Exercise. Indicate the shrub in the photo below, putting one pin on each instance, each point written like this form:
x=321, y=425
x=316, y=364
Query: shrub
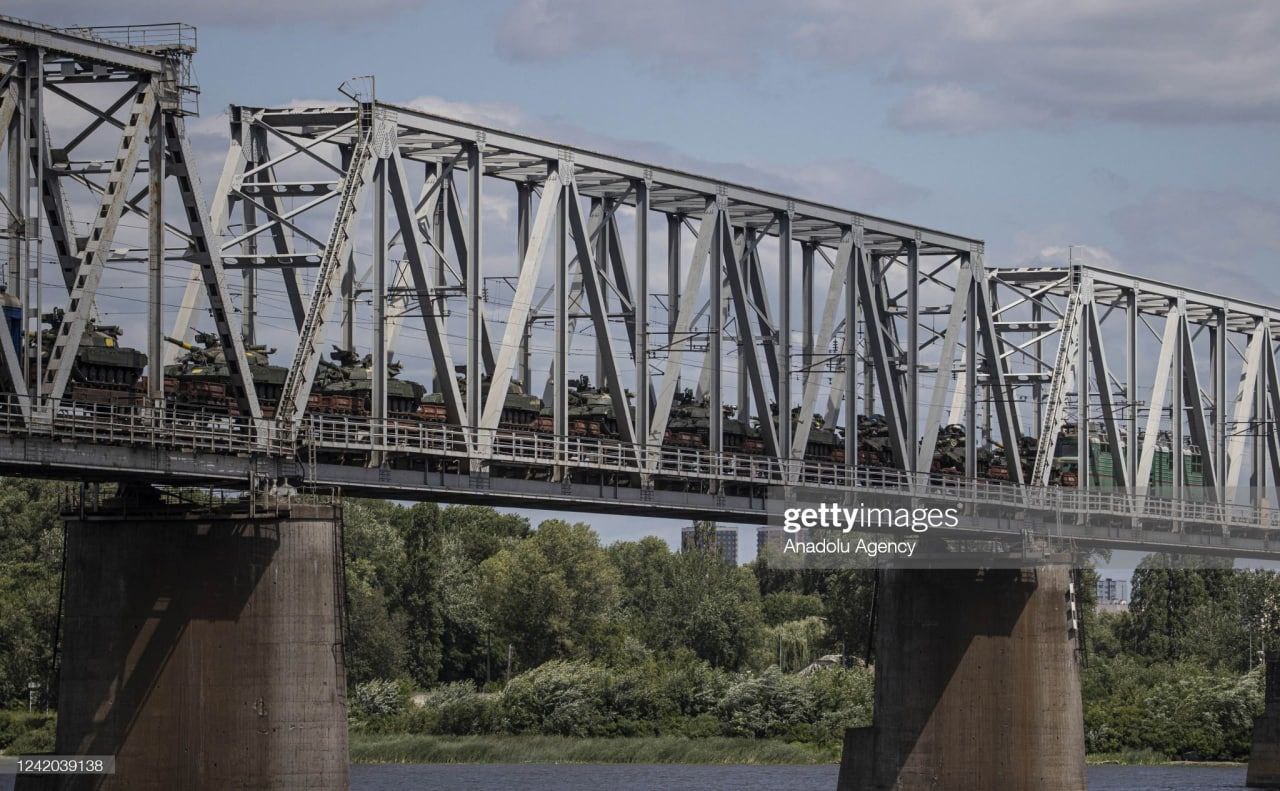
x=765, y=705
x=557, y=698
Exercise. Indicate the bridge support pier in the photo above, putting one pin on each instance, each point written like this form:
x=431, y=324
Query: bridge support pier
x=977, y=684
x=1264, y=756
x=202, y=648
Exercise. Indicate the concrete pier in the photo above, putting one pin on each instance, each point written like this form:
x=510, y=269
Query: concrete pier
x=977, y=684
x=202, y=647
x=1264, y=756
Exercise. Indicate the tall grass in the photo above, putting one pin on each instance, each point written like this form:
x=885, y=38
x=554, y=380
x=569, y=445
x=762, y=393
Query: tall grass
x=423, y=749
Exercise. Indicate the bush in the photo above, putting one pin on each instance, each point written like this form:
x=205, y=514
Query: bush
x=557, y=698
x=379, y=700
x=765, y=705
x=34, y=741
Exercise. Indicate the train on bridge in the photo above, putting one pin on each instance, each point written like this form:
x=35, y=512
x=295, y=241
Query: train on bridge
x=200, y=383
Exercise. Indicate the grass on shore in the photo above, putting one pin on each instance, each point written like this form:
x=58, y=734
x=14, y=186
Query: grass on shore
x=409, y=748
x=424, y=749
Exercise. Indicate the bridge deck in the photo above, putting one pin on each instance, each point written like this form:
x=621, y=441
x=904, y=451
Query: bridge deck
x=520, y=468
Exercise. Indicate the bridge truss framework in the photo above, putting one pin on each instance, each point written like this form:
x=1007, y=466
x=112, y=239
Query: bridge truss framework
x=770, y=304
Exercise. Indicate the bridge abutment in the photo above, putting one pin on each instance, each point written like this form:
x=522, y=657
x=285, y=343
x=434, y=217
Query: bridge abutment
x=202, y=648
x=1264, y=755
x=977, y=684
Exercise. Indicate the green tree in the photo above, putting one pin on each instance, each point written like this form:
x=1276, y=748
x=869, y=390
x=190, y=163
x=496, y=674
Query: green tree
x=713, y=609
x=553, y=594
x=373, y=555
x=469, y=536
x=30, y=572
x=421, y=597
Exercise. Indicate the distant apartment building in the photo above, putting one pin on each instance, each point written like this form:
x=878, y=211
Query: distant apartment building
x=723, y=542
x=765, y=536
x=1113, y=595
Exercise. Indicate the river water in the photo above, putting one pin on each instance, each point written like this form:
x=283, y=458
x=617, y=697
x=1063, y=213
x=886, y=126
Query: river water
x=679, y=777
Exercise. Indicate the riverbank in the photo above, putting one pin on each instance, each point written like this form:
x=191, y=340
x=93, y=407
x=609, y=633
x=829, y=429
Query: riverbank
x=409, y=748
x=424, y=749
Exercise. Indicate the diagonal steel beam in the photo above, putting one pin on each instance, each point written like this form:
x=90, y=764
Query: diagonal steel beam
x=458, y=230
x=840, y=278
x=1155, y=409
x=204, y=252
x=946, y=359
x=748, y=346
x=878, y=342
x=432, y=320
x=521, y=302
x=233, y=166
x=1193, y=398
x=1110, y=418
x=680, y=335
x=93, y=258
x=297, y=383
x=1244, y=405
x=594, y=290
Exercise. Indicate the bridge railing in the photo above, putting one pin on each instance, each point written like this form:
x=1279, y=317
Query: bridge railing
x=350, y=439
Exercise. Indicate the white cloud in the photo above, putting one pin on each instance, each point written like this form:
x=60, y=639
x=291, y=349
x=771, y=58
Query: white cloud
x=223, y=13
x=1226, y=242
x=967, y=64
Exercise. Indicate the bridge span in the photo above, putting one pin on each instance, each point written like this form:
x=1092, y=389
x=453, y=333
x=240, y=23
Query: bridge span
x=735, y=347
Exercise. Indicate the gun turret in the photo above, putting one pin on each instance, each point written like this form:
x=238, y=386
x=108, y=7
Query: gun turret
x=207, y=339
x=180, y=344
x=344, y=356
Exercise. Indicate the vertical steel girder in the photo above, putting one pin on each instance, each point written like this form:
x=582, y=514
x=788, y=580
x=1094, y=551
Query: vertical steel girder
x=782, y=339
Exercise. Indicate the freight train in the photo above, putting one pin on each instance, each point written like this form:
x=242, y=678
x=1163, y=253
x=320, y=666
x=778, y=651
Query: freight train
x=106, y=373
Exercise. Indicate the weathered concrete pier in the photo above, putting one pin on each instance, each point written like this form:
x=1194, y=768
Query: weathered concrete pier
x=977, y=684
x=203, y=648
x=1264, y=756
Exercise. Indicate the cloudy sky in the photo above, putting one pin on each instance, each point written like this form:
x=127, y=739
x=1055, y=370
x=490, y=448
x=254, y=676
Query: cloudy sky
x=1143, y=132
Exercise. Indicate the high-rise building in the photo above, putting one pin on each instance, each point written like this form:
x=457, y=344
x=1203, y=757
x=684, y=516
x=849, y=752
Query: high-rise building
x=723, y=541
x=764, y=535
x=1113, y=595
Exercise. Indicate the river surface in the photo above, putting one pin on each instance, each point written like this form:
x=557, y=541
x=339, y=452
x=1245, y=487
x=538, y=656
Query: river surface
x=679, y=777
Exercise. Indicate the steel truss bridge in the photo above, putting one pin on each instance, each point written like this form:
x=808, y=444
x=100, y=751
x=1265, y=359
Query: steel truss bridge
x=448, y=244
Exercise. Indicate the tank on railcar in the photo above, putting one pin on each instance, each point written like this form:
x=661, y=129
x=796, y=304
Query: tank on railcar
x=104, y=371
x=201, y=378
x=345, y=387
x=590, y=411
x=520, y=410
